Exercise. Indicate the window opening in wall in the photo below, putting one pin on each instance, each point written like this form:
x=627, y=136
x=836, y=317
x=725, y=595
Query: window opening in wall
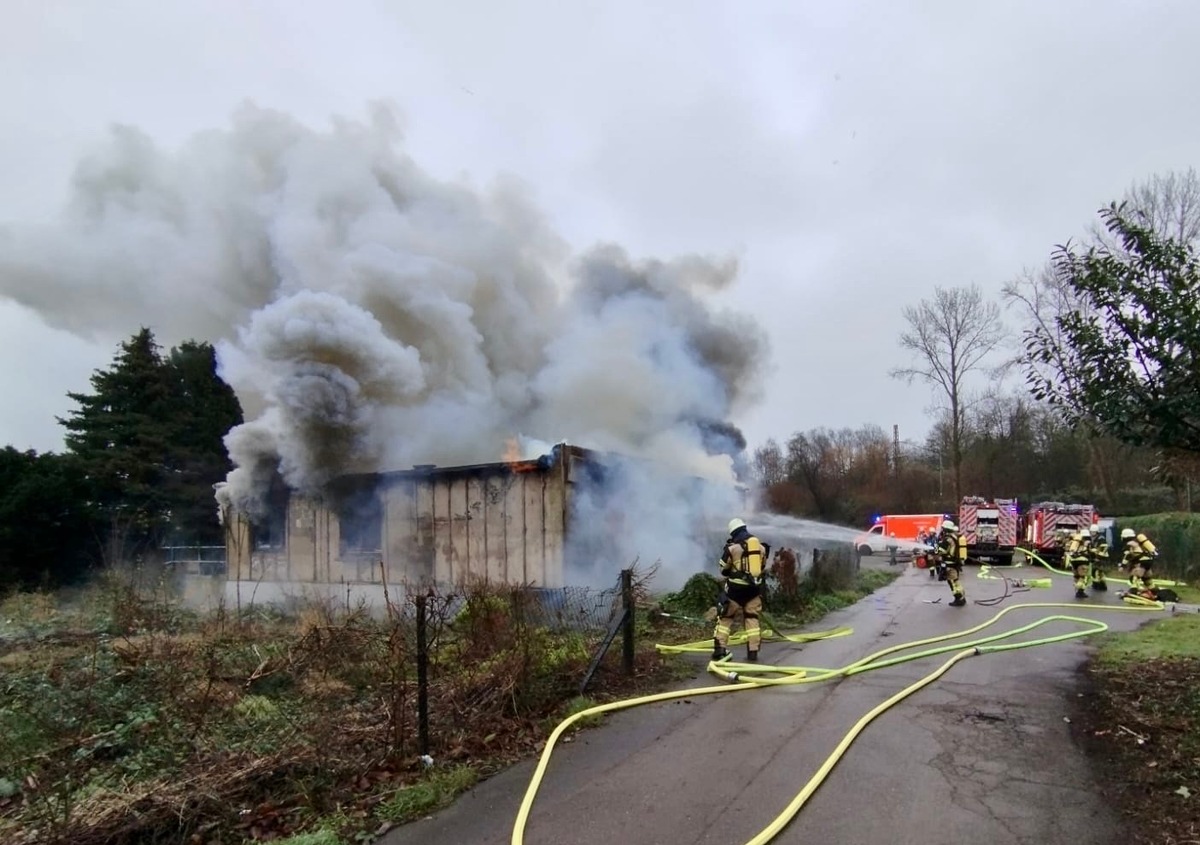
x=359, y=510
x=269, y=533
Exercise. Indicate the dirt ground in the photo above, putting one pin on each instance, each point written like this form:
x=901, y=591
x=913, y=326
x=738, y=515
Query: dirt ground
x=1140, y=726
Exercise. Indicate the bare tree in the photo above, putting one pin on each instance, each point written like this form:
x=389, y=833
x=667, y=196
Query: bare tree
x=1167, y=203
x=951, y=336
x=812, y=466
x=1043, y=297
x=769, y=465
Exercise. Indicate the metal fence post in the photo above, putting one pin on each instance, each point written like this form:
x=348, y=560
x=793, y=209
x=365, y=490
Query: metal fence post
x=422, y=679
x=627, y=601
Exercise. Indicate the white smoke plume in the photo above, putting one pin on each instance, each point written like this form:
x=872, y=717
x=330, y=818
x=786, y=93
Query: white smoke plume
x=638, y=512
x=372, y=317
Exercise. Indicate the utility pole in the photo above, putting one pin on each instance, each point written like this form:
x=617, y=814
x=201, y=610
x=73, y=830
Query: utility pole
x=896, y=449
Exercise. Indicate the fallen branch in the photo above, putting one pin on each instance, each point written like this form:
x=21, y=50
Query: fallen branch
x=1134, y=734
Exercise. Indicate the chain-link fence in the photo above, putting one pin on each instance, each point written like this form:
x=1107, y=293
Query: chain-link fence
x=502, y=652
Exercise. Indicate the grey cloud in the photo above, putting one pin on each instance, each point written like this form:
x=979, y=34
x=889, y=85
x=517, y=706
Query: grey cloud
x=850, y=155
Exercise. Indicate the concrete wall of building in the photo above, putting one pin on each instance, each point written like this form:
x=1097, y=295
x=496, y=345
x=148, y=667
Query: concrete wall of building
x=489, y=523
x=499, y=522
x=503, y=522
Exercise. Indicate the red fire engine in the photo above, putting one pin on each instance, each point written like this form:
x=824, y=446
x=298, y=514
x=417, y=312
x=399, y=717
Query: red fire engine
x=1048, y=523
x=990, y=528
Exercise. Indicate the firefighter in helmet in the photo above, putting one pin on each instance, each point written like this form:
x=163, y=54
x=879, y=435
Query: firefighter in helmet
x=937, y=567
x=1098, y=554
x=1079, y=560
x=932, y=558
x=952, y=554
x=743, y=564
x=1139, y=558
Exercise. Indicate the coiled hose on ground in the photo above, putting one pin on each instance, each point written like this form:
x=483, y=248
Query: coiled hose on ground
x=741, y=677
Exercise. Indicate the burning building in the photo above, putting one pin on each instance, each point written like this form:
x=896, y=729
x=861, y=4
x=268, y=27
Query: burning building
x=370, y=316
x=567, y=517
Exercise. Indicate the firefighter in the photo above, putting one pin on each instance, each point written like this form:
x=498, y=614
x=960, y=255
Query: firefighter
x=1062, y=538
x=936, y=557
x=1077, y=557
x=742, y=564
x=952, y=554
x=937, y=568
x=932, y=559
x=1139, y=558
x=1098, y=553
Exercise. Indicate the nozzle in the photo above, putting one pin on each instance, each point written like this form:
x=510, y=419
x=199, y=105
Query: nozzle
x=716, y=669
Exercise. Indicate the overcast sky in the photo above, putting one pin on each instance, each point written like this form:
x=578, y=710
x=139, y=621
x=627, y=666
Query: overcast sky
x=853, y=154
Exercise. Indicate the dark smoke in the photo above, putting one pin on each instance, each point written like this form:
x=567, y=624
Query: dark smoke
x=372, y=317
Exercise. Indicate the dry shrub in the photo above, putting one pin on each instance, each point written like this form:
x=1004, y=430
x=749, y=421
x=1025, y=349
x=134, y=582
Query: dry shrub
x=784, y=579
x=162, y=734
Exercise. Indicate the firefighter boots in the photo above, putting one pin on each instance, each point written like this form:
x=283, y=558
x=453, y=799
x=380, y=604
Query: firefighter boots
x=719, y=651
x=959, y=601
x=1081, y=593
x=751, y=656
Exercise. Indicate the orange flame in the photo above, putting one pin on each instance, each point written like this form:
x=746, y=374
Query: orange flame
x=512, y=457
x=512, y=451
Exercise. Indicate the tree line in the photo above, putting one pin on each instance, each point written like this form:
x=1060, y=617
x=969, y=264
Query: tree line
x=1106, y=342
x=143, y=450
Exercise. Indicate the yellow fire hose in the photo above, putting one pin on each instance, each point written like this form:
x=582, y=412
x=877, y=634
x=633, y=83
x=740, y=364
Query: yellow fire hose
x=770, y=634
x=746, y=676
x=1156, y=582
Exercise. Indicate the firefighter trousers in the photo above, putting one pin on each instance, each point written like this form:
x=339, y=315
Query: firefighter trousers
x=954, y=579
x=749, y=611
x=1140, y=576
x=1080, y=568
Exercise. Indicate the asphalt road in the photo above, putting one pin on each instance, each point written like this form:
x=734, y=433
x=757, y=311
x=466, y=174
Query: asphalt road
x=717, y=769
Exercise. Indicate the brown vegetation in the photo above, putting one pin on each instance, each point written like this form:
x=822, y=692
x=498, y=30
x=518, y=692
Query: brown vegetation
x=129, y=720
x=1011, y=447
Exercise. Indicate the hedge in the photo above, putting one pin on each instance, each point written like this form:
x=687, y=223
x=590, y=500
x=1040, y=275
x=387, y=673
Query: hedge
x=1177, y=536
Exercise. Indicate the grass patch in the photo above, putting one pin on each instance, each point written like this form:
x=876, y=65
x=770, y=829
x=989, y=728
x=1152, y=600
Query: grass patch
x=1139, y=720
x=426, y=796
x=577, y=705
x=317, y=837
x=1175, y=637
x=1187, y=594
